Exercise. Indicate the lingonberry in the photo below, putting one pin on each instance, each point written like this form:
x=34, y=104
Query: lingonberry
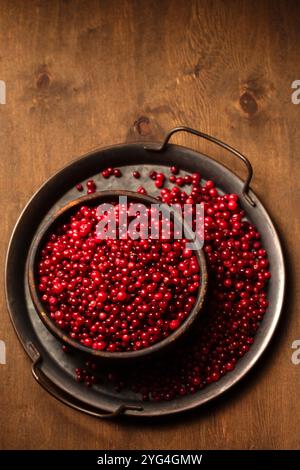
x=141, y=190
x=117, y=172
x=155, y=293
x=174, y=170
x=152, y=174
x=91, y=186
x=179, y=181
x=111, y=294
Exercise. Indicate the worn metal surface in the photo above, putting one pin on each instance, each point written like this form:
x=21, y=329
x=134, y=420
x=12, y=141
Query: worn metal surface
x=54, y=369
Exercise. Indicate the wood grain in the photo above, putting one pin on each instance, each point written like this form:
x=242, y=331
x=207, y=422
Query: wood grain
x=82, y=74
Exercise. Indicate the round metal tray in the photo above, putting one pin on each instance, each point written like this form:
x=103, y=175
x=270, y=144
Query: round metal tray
x=54, y=369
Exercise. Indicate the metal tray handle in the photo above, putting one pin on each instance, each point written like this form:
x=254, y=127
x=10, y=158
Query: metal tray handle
x=246, y=188
x=64, y=397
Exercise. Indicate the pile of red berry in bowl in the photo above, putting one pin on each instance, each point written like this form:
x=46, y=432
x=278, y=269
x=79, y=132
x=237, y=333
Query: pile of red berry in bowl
x=114, y=297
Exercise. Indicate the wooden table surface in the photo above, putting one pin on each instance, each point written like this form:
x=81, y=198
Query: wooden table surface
x=82, y=74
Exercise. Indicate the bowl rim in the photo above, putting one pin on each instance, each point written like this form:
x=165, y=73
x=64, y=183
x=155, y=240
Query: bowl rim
x=59, y=333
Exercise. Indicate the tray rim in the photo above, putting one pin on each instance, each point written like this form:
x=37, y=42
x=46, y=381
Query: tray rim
x=275, y=320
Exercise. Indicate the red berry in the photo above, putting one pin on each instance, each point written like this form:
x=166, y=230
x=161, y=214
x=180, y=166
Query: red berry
x=121, y=295
x=102, y=296
x=152, y=174
x=174, y=170
x=159, y=183
x=180, y=181
x=209, y=184
x=124, y=295
x=174, y=324
x=232, y=205
x=141, y=190
x=117, y=173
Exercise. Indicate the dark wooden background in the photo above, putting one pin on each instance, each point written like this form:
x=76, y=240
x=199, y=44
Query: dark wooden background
x=82, y=74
